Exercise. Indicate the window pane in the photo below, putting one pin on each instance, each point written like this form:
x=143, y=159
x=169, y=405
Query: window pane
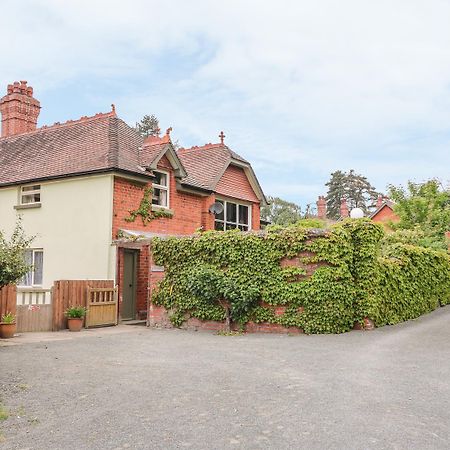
x=160, y=178
x=218, y=226
x=162, y=197
x=36, y=187
x=27, y=278
x=220, y=216
x=243, y=214
x=31, y=198
x=243, y=227
x=38, y=266
x=231, y=212
x=231, y=226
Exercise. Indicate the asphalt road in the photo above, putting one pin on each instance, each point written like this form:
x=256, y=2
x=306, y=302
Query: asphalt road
x=132, y=387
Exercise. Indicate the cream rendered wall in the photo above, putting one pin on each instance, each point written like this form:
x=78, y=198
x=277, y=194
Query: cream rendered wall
x=73, y=227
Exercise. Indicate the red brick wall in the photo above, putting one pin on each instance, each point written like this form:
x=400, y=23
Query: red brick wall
x=385, y=214
x=188, y=208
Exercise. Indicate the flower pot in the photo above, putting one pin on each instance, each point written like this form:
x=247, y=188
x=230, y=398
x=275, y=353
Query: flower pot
x=7, y=330
x=74, y=323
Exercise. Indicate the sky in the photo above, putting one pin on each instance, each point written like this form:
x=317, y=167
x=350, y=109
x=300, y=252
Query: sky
x=300, y=88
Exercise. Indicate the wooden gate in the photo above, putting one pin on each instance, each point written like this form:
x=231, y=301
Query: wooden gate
x=34, y=309
x=101, y=307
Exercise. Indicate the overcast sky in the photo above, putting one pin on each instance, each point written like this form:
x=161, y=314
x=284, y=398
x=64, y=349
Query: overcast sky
x=300, y=88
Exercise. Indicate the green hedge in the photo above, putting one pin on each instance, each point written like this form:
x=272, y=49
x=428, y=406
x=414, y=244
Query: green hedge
x=215, y=275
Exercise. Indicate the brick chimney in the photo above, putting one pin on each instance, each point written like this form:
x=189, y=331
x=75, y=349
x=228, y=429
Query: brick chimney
x=321, y=207
x=344, y=208
x=19, y=109
x=380, y=200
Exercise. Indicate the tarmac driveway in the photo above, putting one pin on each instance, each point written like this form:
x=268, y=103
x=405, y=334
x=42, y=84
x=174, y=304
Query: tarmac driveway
x=133, y=387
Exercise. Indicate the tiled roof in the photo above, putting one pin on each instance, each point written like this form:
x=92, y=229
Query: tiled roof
x=205, y=165
x=105, y=142
x=91, y=144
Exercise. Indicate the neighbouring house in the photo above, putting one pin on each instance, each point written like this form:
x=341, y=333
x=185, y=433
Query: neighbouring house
x=93, y=192
x=384, y=211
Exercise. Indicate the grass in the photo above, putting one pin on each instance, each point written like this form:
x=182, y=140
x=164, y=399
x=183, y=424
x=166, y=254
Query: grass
x=4, y=413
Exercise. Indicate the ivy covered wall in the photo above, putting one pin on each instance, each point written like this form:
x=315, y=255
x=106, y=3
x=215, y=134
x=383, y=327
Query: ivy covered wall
x=324, y=280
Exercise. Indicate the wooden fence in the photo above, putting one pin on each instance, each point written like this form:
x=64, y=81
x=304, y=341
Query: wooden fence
x=8, y=300
x=72, y=293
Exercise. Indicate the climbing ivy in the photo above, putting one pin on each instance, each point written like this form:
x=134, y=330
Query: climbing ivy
x=325, y=279
x=145, y=209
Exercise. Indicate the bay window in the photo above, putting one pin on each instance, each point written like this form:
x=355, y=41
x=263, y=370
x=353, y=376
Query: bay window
x=234, y=215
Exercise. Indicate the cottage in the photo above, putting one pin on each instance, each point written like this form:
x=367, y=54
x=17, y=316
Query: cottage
x=91, y=190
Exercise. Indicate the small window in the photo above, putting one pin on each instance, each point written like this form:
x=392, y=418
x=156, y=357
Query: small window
x=161, y=189
x=233, y=216
x=34, y=258
x=30, y=194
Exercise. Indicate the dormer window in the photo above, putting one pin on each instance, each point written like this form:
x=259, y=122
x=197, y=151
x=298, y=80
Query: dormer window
x=161, y=189
x=30, y=195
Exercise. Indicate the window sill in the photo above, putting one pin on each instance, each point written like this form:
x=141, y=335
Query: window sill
x=28, y=206
x=157, y=208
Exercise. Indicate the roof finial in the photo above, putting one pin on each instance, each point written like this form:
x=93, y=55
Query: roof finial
x=113, y=107
x=222, y=137
x=157, y=131
x=168, y=131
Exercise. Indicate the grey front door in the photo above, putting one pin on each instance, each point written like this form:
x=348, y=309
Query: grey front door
x=128, y=310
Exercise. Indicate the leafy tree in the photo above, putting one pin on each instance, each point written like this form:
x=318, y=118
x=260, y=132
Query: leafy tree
x=148, y=126
x=281, y=212
x=12, y=262
x=425, y=207
x=355, y=188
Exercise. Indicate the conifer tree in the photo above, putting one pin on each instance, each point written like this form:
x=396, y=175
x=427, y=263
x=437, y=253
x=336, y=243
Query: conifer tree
x=355, y=188
x=148, y=126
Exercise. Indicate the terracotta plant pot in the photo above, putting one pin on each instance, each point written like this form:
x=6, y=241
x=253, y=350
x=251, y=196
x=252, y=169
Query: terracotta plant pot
x=7, y=330
x=74, y=323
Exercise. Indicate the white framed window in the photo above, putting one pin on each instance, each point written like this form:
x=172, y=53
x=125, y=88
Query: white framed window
x=234, y=215
x=34, y=257
x=30, y=194
x=161, y=189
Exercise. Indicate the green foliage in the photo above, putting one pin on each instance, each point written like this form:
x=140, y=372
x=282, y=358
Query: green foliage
x=9, y=317
x=12, y=256
x=424, y=207
x=355, y=188
x=311, y=223
x=281, y=212
x=75, y=312
x=145, y=209
x=411, y=281
x=359, y=274
x=148, y=126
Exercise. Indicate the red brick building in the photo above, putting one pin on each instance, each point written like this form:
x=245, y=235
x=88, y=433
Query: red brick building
x=384, y=212
x=142, y=188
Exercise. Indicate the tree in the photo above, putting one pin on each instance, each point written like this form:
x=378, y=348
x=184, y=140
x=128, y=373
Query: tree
x=148, y=126
x=425, y=207
x=12, y=261
x=281, y=212
x=354, y=188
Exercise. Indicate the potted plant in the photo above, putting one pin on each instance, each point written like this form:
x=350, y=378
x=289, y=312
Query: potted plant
x=75, y=316
x=8, y=325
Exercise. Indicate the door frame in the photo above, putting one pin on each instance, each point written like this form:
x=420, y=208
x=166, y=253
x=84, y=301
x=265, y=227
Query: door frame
x=134, y=253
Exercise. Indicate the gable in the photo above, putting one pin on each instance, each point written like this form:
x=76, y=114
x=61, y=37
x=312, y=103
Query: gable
x=384, y=214
x=235, y=183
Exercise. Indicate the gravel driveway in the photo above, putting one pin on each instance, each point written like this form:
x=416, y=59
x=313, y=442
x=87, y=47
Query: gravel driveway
x=133, y=387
